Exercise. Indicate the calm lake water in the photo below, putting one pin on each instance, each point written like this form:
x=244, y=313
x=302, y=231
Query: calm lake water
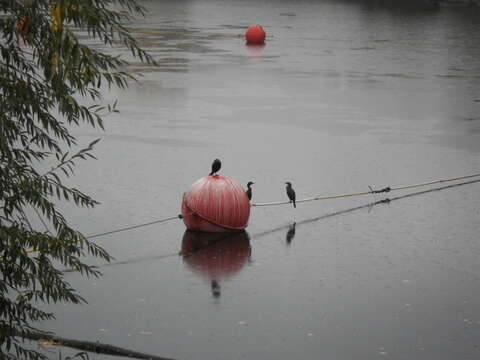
x=343, y=96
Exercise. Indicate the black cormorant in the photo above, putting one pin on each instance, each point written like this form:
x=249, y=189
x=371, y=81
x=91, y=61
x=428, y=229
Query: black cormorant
x=216, y=165
x=249, y=190
x=291, y=193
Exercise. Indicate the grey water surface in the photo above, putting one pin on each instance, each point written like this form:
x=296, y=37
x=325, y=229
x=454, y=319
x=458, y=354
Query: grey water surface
x=343, y=96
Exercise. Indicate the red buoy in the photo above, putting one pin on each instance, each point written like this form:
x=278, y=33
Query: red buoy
x=215, y=204
x=255, y=35
x=23, y=26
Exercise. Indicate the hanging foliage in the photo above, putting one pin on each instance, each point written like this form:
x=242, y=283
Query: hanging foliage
x=46, y=76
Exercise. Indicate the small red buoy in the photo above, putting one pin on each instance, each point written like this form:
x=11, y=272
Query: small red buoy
x=255, y=35
x=215, y=204
x=23, y=26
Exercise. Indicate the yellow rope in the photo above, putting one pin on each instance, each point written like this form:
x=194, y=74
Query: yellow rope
x=434, y=182
x=369, y=192
x=327, y=197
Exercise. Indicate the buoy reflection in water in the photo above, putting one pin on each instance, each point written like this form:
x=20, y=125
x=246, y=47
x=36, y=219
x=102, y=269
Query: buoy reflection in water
x=216, y=256
x=255, y=52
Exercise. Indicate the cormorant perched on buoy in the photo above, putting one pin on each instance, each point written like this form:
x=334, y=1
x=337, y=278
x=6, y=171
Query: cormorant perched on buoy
x=249, y=190
x=291, y=193
x=216, y=165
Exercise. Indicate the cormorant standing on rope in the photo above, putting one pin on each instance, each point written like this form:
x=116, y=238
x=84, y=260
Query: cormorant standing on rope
x=291, y=193
x=216, y=165
x=249, y=190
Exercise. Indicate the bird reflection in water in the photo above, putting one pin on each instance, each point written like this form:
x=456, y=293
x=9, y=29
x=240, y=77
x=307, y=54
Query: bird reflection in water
x=216, y=291
x=290, y=234
x=216, y=256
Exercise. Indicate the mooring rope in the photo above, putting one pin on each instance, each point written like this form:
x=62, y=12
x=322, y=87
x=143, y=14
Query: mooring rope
x=434, y=182
x=121, y=229
x=259, y=235
x=134, y=226
x=326, y=197
x=371, y=191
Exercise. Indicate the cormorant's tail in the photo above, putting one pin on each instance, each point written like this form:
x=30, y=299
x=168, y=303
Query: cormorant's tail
x=294, y=205
x=211, y=173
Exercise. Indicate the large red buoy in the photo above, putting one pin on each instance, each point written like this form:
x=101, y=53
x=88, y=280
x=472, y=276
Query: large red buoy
x=255, y=35
x=215, y=204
